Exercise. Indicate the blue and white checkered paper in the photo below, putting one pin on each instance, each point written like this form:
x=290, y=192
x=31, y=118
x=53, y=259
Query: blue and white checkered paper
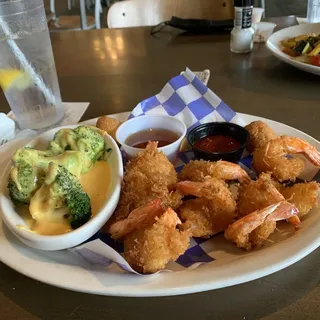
x=184, y=97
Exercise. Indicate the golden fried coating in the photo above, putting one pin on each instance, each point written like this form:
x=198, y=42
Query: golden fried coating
x=253, y=229
x=212, y=212
x=198, y=170
x=149, y=249
x=108, y=124
x=204, y=217
x=257, y=195
x=273, y=157
x=259, y=235
x=147, y=177
x=196, y=217
x=303, y=195
x=260, y=133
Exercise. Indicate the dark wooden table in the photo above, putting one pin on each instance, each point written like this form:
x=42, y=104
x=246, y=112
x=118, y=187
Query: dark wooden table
x=114, y=70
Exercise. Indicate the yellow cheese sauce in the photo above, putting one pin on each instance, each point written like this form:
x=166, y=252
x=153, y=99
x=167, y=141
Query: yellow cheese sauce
x=95, y=183
x=55, y=224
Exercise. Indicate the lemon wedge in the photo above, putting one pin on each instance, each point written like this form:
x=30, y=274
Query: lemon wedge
x=14, y=78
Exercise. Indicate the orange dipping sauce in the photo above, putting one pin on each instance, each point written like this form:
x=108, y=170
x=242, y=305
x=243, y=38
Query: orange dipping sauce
x=217, y=144
x=140, y=139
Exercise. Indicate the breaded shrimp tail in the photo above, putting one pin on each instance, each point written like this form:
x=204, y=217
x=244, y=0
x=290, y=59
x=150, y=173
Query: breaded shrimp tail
x=198, y=170
x=212, y=212
x=257, y=194
x=273, y=157
x=138, y=218
x=240, y=232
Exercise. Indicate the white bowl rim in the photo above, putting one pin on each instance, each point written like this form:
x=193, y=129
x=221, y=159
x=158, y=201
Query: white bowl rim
x=163, y=149
x=31, y=236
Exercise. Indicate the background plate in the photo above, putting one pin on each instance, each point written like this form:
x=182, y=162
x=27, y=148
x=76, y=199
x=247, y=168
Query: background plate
x=65, y=270
x=273, y=44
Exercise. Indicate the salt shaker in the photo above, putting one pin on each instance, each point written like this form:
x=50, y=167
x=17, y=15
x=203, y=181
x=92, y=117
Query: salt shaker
x=242, y=33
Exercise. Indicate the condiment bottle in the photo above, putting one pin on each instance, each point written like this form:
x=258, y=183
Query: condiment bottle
x=242, y=33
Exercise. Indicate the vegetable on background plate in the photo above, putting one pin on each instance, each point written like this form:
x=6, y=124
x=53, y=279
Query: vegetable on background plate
x=315, y=60
x=303, y=48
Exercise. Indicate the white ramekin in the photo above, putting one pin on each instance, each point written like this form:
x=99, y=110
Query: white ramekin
x=146, y=122
x=13, y=220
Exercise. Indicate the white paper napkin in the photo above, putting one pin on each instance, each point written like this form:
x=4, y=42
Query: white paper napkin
x=7, y=127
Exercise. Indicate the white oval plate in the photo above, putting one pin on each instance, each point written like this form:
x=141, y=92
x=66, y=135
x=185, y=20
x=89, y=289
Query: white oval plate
x=65, y=270
x=274, y=45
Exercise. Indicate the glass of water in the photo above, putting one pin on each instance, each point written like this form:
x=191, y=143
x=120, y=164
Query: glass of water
x=313, y=13
x=28, y=75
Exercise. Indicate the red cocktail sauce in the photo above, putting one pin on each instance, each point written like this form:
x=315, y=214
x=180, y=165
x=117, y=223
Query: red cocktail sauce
x=217, y=144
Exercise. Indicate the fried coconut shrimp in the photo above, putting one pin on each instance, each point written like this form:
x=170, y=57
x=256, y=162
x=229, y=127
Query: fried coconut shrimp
x=303, y=195
x=273, y=157
x=257, y=195
x=209, y=214
x=260, y=133
x=147, y=177
x=242, y=232
x=149, y=248
x=199, y=169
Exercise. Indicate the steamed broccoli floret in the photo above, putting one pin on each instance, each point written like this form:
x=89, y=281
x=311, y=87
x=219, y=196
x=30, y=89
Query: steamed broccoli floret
x=86, y=139
x=71, y=160
x=76, y=150
x=28, y=155
x=30, y=167
x=61, y=189
x=62, y=141
x=91, y=142
x=78, y=203
x=22, y=183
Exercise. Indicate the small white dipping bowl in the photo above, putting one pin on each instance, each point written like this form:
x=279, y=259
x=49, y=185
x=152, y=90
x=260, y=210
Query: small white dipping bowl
x=146, y=122
x=262, y=31
x=12, y=219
